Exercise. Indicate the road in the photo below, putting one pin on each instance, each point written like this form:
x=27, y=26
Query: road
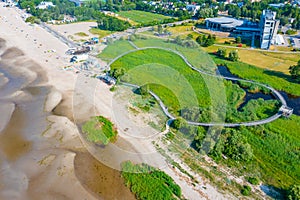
x=169, y=115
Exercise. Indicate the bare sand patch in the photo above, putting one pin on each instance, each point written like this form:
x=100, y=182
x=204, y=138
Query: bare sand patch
x=71, y=30
x=6, y=111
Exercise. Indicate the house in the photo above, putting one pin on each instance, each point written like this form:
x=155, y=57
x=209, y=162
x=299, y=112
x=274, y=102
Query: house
x=192, y=8
x=45, y=5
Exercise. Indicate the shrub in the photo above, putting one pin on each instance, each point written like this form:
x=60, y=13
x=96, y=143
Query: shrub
x=246, y=190
x=253, y=180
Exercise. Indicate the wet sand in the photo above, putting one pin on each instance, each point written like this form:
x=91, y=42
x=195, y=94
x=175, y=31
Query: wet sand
x=101, y=180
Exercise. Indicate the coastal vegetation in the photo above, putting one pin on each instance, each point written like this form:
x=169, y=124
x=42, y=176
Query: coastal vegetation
x=99, y=130
x=266, y=153
x=149, y=183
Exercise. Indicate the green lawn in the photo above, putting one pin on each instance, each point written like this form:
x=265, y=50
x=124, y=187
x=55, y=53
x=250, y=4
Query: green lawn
x=117, y=48
x=141, y=16
x=99, y=130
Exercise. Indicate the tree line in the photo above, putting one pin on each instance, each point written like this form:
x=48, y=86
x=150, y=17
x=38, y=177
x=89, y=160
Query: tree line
x=90, y=11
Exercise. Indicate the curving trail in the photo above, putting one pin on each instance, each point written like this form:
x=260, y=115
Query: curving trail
x=168, y=114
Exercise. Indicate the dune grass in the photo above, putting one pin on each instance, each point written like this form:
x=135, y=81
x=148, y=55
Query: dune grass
x=149, y=183
x=81, y=34
x=99, y=130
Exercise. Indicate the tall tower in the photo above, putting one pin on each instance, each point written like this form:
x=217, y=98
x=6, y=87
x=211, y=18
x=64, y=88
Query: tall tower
x=268, y=28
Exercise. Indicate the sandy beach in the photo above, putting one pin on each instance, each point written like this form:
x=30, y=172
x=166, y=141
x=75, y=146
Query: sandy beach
x=49, y=157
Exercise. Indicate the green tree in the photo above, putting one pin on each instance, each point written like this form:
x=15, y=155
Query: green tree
x=189, y=37
x=233, y=55
x=246, y=190
x=294, y=193
x=30, y=19
x=178, y=123
x=117, y=73
x=205, y=13
x=178, y=40
x=144, y=89
x=295, y=71
x=160, y=29
x=238, y=40
x=222, y=52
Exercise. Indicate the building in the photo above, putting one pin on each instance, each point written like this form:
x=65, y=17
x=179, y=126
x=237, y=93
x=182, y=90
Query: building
x=226, y=24
x=268, y=28
x=78, y=2
x=193, y=8
x=45, y=5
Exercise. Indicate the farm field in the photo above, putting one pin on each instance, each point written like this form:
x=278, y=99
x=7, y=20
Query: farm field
x=141, y=16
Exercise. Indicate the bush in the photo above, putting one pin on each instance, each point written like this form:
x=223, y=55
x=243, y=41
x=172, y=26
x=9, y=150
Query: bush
x=291, y=32
x=149, y=183
x=294, y=193
x=253, y=180
x=222, y=52
x=246, y=190
x=233, y=56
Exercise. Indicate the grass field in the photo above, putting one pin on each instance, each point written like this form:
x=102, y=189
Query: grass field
x=276, y=150
x=99, y=130
x=177, y=84
x=100, y=33
x=278, y=80
x=146, y=66
x=265, y=60
x=141, y=16
x=112, y=51
x=197, y=57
